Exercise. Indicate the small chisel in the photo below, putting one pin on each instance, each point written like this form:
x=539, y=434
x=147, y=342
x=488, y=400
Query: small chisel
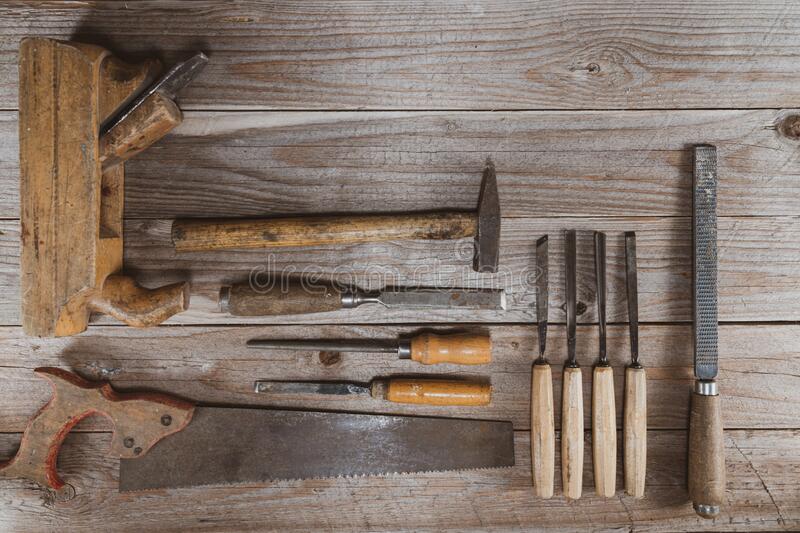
x=416, y=391
x=572, y=387
x=542, y=427
x=427, y=348
x=635, y=417
x=604, y=414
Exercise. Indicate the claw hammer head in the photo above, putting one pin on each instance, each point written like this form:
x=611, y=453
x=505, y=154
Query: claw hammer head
x=487, y=238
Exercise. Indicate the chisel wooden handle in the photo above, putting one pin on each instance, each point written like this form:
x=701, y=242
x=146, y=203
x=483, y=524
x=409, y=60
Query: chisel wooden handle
x=635, y=431
x=604, y=432
x=572, y=433
x=292, y=298
x=542, y=430
x=706, y=455
x=193, y=235
x=433, y=392
x=457, y=349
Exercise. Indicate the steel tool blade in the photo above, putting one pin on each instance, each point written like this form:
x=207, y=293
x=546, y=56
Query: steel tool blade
x=438, y=298
x=231, y=446
x=542, y=291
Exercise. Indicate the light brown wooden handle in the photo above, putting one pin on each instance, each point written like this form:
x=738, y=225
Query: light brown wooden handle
x=457, y=349
x=125, y=300
x=140, y=420
x=292, y=298
x=635, y=431
x=604, y=432
x=433, y=391
x=148, y=123
x=191, y=235
x=706, y=456
x=572, y=433
x=542, y=431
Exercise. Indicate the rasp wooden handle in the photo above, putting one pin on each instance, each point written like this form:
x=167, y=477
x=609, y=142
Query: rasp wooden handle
x=292, y=298
x=193, y=235
x=140, y=420
x=635, y=431
x=706, y=455
x=542, y=430
x=122, y=298
x=457, y=349
x=572, y=433
x=604, y=432
x=433, y=392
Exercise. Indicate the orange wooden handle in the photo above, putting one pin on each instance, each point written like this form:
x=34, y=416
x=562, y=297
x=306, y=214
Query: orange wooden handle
x=433, y=391
x=140, y=420
x=457, y=349
x=604, y=432
x=542, y=430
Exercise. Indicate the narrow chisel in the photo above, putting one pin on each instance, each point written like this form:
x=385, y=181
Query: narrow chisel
x=572, y=388
x=427, y=348
x=706, y=450
x=542, y=426
x=635, y=417
x=604, y=414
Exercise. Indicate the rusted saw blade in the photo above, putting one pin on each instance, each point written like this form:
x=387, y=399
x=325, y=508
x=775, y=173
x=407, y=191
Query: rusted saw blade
x=231, y=445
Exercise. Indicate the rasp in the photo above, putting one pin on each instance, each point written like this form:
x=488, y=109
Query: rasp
x=706, y=451
x=165, y=442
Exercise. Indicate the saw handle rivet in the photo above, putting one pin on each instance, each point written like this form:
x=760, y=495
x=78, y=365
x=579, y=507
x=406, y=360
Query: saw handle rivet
x=128, y=442
x=137, y=451
x=166, y=420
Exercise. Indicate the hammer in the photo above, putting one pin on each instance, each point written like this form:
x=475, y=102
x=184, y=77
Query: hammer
x=192, y=235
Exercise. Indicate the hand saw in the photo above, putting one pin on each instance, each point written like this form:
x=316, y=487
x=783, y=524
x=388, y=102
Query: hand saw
x=165, y=442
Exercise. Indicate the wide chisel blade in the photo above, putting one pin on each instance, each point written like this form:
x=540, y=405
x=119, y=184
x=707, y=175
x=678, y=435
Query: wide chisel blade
x=435, y=298
x=232, y=445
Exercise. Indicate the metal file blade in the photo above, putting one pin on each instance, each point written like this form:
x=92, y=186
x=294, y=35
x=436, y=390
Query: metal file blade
x=542, y=291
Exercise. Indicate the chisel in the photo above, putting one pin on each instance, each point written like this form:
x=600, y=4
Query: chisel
x=572, y=388
x=427, y=348
x=542, y=426
x=396, y=390
x=604, y=414
x=635, y=417
x=706, y=451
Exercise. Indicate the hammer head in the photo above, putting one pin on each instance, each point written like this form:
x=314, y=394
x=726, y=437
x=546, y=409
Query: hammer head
x=487, y=238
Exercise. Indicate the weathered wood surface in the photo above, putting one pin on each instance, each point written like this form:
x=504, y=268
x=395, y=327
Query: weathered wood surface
x=761, y=495
x=441, y=55
x=759, y=376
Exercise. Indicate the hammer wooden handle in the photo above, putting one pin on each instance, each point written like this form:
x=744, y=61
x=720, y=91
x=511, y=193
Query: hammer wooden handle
x=193, y=235
x=706, y=455
x=635, y=431
x=572, y=433
x=604, y=432
x=457, y=349
x=542, y=430
x=433, y=392
x=125, y=300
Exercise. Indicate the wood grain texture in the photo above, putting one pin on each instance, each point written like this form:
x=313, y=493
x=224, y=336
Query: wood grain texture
x=604, y=432
x=706, y=468
x=455, y=348
x=542, y=431
x=572, y=436
x=471, y=55
x=435, y=392
x=635, y=431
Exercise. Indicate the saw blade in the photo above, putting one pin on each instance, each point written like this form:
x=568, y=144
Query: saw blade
x=704, y=236
x=234, y=445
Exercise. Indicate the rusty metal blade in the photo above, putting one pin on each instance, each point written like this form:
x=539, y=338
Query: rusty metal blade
x=230, y=446
x=487, y=238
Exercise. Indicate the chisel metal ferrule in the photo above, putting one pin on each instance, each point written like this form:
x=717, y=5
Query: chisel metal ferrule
x=706, y=387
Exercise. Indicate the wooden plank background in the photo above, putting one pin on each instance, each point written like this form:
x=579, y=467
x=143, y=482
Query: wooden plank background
x=588, y=110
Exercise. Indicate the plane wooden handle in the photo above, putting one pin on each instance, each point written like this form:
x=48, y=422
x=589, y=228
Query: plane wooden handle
x=457, y=349
x=542, y=431
x=635, y=431
x=433, y=392
x=293, y=298
x=604, y=432
x=122, y=298
x=139, y=419
x=572, y=433
x=191, y=235
x=152, y=120
x=706, y=456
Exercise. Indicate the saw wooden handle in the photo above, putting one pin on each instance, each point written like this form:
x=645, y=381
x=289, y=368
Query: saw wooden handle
x=572, y=433
x=122, y=298
x=433, y=392
x=457, y=349
x=292, y=298
x=635, y=431
x=604, y=432
x=193, y=235
x=706, y=455
x=140, y=420
x=542, y=430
